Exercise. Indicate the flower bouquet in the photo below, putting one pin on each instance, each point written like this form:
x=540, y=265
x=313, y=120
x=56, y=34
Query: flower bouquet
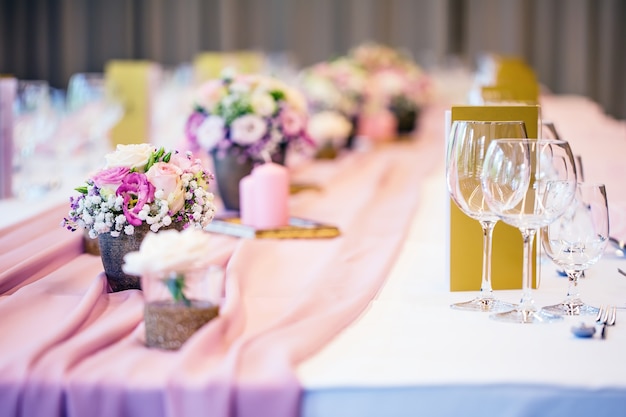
x=140, y=189
x=330, y=131
x=244, y=119
x=395, y=83
x=335, y=86
x=182, y=288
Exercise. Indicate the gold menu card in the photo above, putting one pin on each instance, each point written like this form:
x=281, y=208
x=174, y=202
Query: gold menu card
x=465, y=239
x=209, y=65
x=131, y=83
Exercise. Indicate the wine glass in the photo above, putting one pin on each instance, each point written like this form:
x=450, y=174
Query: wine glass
x=95, y=110
x=528, y=184
x=36, y=121
x=466, y=151
x=548, y=131
x=576, y=241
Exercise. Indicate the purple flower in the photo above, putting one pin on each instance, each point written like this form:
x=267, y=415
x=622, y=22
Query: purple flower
x=136, y=191
x=194, y=121
x=111, y=177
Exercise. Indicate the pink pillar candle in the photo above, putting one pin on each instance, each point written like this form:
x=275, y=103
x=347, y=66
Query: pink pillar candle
x=246, y=200
x=378, y=126
x=271, y=196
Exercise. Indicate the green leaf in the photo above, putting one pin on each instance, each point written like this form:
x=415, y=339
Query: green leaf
x=277, y=95
x=82, y=190
x=150, y=162
x=167, y=157
x=176, y=285
x=159, y=154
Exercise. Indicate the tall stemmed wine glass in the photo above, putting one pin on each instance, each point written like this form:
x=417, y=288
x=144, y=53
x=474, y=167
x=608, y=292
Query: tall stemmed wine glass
x=466, y=151
x=576, y=241
x=528, y=184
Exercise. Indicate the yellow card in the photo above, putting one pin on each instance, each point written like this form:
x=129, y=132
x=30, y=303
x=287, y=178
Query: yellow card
x=465, y=243
x=514, y=81
x=130, y=82
x=209, y=65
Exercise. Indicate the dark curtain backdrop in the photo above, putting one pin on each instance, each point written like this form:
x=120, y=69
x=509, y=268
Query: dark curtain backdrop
x=576, y=46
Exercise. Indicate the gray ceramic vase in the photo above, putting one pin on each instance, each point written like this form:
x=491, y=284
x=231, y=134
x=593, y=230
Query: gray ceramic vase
x=230, y=166
x=112, y=251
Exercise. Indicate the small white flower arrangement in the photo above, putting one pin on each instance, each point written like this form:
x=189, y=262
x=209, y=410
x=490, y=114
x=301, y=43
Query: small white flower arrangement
x=142, y=185
x=255, y=114
x=329, y=128
x=169, y=256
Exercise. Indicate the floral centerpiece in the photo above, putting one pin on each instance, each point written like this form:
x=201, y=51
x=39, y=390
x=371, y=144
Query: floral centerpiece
x=140, y=190
x=142, y=185
x=181, y=287
x=330, y=131
x=242, y=120
x=337, y=85
x=395, y=83
x=334, y=86
x=254, y=115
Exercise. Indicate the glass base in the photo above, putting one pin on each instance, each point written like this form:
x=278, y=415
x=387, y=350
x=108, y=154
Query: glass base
x=572, y=309
x=520, y=315
x=483, y=305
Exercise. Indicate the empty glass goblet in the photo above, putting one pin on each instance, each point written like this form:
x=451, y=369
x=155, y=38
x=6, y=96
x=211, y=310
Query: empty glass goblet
x=528, y=184
x=577, y=240
x=466, y=151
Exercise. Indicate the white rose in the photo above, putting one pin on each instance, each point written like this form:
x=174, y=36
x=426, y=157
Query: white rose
x=210, y=132
x=391, y=83
x=169, y=251
x=248, y=129
x=323, y=91
x=329, y=126
x=263, y=103
x=240, y=87
x=131, y=156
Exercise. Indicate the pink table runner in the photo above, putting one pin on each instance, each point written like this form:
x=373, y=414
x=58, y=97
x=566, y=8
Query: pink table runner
x=70, y=349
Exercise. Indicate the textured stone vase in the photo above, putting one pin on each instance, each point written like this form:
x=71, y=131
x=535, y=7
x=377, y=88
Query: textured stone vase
x=406, y=115
x=407, y=120
x=351, y=141
x=112, y=251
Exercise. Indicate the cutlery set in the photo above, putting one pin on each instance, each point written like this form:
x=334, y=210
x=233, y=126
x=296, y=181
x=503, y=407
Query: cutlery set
x=607, y=316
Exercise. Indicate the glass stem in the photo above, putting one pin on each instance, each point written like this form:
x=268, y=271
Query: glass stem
x=573, y=295
x=486, y=289
x=527, y=302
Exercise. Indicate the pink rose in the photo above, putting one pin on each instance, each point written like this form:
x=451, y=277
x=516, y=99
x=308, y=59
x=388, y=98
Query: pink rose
x=209, y=93
x=182, y=161
x=136, y=191
x=293, y=122
x=167, y=177
x=110, y=178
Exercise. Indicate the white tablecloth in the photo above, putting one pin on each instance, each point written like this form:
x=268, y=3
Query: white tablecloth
x=411, y=354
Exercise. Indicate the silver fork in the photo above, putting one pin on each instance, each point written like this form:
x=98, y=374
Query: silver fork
x=606, y=317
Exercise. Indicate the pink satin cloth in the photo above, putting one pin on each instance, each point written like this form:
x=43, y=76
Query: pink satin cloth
x=69, y=348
